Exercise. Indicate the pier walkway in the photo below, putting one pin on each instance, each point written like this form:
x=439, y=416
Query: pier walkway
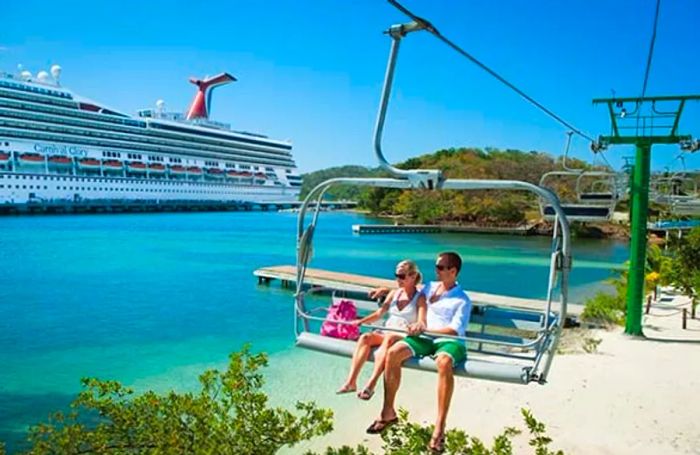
x=361, y=283
x=440, y=229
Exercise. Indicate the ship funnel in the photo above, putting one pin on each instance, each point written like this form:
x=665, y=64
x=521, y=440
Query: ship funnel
x=201, y=104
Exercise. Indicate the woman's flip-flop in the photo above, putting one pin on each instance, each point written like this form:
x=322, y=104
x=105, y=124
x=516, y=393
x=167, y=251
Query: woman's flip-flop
x=345, y=389
x=366, y=394
x=379, y=426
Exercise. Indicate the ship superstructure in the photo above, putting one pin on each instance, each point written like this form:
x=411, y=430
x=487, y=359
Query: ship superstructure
x=56, y=145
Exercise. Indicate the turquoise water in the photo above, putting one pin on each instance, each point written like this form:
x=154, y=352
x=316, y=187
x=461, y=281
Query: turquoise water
x=153, y=299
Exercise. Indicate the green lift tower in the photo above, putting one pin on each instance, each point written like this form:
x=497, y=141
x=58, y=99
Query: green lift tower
x=642, y=122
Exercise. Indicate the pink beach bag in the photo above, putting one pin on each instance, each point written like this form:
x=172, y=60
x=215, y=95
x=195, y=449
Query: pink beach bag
x=342, y=310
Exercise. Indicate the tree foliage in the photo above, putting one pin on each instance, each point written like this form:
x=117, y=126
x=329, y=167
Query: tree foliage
x=408, y=438
x=229, y=415
x=311, y=179
x=685, y=266
x=484, y=207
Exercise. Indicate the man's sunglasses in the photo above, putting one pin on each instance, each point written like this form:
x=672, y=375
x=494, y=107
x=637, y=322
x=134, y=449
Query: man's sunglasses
x=441, y=267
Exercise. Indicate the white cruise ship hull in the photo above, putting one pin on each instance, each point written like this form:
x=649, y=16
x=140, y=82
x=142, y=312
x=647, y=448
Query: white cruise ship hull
x=44, y=182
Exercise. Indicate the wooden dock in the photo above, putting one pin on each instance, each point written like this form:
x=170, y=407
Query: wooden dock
x=439, y=229
x=286, y=274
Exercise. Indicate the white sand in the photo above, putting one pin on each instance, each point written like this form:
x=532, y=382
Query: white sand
x=634, y=396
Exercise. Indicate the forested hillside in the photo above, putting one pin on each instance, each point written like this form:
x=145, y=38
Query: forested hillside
x=494, y=207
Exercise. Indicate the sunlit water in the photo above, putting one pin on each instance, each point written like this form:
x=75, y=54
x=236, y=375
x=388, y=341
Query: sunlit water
x=154, y=299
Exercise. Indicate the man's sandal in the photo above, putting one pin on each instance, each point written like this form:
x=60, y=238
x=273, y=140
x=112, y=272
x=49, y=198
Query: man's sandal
x=378, y=426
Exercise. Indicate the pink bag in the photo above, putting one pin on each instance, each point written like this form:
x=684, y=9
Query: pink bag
x=343, y=310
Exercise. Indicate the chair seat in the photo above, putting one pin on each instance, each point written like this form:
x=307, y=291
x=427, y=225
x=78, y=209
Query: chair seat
x=581, y=212
x=474, y=367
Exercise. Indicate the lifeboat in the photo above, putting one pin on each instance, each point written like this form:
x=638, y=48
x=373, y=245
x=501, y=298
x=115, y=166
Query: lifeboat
x=178, y=170
x=260, y=175
x=194, y=170
x=136, y=166
x=215, y=173
x=232, y=174
x=112, y=165
x=89, y=163
x=245, y=174
x=156, y=168
x=60, y=160
x=4, y=157
x=31, y=158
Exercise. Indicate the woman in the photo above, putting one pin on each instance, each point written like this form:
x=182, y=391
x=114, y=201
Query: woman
x=405, y=305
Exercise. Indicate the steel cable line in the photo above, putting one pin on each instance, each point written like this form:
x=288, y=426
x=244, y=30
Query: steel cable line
x=651, y=48
x=429, y=27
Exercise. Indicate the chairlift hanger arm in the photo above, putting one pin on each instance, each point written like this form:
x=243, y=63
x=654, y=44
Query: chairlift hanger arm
x=424, y=178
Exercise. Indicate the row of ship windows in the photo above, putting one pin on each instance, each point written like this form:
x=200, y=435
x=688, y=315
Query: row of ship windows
x=70, y=111
x=87, y=188
x=29, y=88
x=133, y=123
x=201, y=136
x=86, y=131
x=27, y=97
x=80, y=140
x=94, y=180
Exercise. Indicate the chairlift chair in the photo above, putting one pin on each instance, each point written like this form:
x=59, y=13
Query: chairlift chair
x=504, y=344
x=677, y=188
x=589, y=206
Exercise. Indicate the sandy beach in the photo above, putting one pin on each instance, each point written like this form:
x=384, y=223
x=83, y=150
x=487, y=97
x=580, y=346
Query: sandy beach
x=631, y=396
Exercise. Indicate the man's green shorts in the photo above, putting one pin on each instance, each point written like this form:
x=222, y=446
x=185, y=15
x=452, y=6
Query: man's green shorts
x=423, y=346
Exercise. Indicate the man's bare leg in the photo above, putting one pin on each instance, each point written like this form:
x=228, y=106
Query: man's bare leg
x=395, y=357
x=446, y=383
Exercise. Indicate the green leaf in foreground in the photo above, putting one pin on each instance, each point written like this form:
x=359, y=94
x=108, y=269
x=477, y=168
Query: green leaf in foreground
x=229, y=415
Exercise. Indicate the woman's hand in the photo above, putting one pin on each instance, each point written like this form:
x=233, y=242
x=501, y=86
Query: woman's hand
x=356, y=322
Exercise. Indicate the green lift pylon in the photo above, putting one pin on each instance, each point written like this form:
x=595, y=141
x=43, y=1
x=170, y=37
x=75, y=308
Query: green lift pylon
x=649, y=121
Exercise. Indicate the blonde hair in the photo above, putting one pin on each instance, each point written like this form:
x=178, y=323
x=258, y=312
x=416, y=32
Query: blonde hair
x=411, y=268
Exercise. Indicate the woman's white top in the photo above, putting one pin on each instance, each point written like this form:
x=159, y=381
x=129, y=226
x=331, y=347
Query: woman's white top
x=401, y=318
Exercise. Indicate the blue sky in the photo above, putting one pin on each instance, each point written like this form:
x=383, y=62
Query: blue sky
x=311, y=71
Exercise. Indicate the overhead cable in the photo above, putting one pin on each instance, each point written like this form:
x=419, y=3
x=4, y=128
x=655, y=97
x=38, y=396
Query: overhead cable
x=651, y=49
x=430, y=28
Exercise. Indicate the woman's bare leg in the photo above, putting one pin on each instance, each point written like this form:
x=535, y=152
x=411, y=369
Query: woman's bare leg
x=364, y=345
x=379, y=358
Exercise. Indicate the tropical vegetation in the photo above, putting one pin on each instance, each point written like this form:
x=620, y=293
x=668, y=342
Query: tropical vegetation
x=678, y=265
x=230, y=414
x=492, y=207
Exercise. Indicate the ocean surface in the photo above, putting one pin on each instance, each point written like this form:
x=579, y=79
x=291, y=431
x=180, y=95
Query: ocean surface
x=152, y=300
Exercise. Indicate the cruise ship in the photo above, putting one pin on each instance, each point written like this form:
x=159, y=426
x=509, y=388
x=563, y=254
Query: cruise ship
x=58, y=147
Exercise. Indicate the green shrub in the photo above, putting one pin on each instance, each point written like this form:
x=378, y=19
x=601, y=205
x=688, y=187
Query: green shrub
x=408, y=438
x=229, y=415
x=604, y=308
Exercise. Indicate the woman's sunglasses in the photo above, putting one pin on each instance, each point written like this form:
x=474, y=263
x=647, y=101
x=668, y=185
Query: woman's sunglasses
x=400, y=276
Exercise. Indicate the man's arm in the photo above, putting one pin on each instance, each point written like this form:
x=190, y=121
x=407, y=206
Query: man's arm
x=379, y=312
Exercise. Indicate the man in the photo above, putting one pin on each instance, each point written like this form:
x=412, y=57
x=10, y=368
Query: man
x=448, y=313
